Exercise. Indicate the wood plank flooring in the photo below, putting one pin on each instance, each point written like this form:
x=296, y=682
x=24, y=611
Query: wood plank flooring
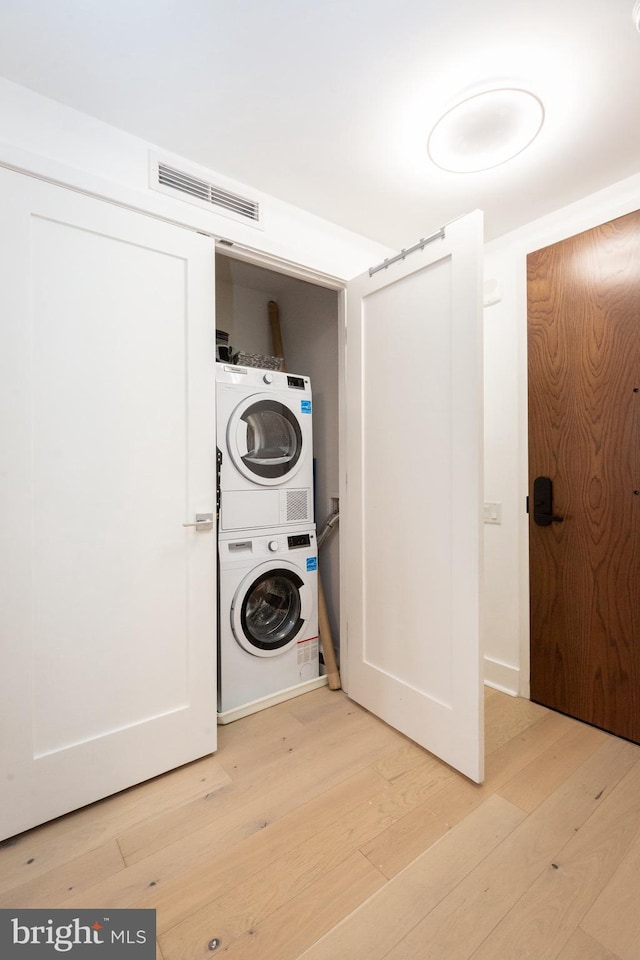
x=316, y=831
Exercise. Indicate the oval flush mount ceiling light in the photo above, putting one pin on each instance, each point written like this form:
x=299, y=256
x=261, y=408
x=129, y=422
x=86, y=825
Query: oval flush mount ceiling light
x=485, y=130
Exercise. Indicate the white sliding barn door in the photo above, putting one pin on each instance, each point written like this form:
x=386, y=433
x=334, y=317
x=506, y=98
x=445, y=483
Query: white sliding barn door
x=414, y=491
x=107, y=447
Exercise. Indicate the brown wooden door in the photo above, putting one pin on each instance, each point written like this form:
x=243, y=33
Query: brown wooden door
x=584, y=433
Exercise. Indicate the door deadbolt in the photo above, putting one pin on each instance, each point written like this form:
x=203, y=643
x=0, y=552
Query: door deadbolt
x=543, y=502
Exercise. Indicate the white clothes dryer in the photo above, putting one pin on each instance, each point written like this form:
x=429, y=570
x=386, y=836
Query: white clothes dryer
x=264, y=434
x=268, y=633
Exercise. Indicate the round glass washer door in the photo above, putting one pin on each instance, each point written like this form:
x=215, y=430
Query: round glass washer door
x=265, y=440
x=270, y=609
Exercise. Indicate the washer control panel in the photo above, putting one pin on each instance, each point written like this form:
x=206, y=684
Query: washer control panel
x=256, y=547
x=299, y=540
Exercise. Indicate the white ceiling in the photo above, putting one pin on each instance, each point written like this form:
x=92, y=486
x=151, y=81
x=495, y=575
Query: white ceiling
x=328, y=103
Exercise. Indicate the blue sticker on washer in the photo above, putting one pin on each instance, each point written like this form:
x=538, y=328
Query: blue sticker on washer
x=305, y=406
x=312, y=563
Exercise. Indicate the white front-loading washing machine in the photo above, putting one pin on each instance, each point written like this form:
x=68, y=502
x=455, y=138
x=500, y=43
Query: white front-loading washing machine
x=264, y=434
x=268, y=620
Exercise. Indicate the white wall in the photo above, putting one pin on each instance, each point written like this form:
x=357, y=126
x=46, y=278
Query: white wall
x=309, y=320
x=54, y=141
x=242, y=313
x=501, y=603
x=506, y=546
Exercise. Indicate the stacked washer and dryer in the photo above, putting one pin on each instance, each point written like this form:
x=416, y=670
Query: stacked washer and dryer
x=268, y=559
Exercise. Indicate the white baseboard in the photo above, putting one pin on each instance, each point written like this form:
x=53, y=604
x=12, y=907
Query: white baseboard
x=502, y=676
x=237, y=712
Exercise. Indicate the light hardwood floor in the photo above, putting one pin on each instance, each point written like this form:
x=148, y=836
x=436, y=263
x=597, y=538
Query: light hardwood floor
x=318, y=831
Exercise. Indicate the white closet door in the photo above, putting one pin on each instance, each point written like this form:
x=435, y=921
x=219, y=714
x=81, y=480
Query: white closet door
x=107, y=447
x=413, y=501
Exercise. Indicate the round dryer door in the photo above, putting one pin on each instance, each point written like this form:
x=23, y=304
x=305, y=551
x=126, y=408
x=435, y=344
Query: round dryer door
x=270, y=609
x=265, y=440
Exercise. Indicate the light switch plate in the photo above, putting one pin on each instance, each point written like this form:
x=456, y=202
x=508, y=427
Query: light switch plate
x=492, y=512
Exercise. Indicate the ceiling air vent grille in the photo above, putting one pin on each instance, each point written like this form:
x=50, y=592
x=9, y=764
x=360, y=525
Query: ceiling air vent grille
x=208, y=192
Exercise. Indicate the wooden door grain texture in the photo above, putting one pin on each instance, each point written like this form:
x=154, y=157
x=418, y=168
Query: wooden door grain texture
x=584, y=433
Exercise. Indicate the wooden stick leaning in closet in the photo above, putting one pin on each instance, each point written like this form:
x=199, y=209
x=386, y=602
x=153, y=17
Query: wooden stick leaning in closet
x=276, y=333
x=326, y=637
x=326, y=640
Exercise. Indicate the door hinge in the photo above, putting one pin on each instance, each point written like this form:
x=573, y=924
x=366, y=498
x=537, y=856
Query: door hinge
x=527, y=503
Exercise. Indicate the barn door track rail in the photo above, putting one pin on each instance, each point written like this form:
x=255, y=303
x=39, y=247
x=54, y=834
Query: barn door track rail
x=420, y=245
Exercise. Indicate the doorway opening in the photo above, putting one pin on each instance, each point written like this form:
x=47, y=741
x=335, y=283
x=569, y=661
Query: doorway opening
x=309, y=320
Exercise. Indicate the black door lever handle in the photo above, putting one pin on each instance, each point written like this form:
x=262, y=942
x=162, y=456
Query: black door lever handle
x=544, y=520
x=543, y=514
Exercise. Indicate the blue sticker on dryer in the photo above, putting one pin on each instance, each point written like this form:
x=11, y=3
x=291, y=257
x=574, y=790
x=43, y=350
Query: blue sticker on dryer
x=312, y=564
x=305, y=406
